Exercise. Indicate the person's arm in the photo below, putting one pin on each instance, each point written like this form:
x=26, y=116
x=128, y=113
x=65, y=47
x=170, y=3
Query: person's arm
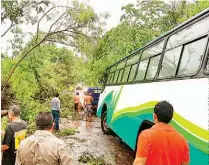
x=4, y=148
x=92, y=98
x=2, y=133
x=142, y=149
x=7, y=139
x=4, y=113
x=64, y=156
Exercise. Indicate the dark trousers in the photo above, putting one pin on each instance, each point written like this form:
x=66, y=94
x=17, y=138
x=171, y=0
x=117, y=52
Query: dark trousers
x=56, y=116
x=8, y=158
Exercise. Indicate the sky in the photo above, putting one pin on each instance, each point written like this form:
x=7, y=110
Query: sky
x=113, y=7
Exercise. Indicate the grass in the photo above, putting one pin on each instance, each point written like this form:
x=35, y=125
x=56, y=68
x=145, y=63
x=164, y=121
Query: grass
x=65, y=132
x=66, y=113
x=90, y=160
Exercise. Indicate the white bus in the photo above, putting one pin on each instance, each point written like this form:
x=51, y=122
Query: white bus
x=173, y=67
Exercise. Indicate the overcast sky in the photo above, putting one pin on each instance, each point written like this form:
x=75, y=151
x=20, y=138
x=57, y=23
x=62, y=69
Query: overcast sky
x=113, y=7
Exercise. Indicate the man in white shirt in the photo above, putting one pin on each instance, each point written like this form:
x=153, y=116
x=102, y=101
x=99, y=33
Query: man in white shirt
x=55, y=107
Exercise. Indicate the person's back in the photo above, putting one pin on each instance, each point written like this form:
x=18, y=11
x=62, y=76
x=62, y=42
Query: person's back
x=162, y=144
x=55, y=103
x=166, y=145
x=43, y=147
x=76, y=99
x=88, y=99
x=55, y=108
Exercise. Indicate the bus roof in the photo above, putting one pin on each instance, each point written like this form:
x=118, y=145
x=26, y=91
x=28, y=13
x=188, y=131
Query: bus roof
x=165, y=34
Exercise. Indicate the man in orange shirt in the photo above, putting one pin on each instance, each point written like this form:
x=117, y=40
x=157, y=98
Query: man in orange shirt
x=162, y=144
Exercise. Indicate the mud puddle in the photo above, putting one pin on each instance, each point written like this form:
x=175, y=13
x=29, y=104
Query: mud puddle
x=90, y=146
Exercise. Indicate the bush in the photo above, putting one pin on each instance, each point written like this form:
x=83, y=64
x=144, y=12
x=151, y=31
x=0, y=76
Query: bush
x=65, y=113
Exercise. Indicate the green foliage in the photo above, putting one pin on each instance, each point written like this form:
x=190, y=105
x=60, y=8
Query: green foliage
x=91, y=160
x=19, y=11
x=161, y=16
x=139, y=25
x=48, y=70
x=66, y=132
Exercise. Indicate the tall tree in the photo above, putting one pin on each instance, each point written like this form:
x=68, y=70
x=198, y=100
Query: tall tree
x=67, y=24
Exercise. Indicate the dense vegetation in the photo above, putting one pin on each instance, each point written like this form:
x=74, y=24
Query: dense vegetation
x=40, y=67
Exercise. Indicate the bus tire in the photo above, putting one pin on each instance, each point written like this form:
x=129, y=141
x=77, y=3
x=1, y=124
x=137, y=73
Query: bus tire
x=105, y=129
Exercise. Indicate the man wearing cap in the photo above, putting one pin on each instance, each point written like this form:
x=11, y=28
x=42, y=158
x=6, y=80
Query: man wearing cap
x=14, y=133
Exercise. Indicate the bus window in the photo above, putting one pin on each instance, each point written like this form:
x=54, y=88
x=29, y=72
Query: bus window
x=188, y=33
x=120, y=76
x=132, y=73
x=152, y=68
x=192, y=57
x=207, y=66
x=113, y=68
x=115, y=77
x=126, y=72
x=121, y=64
x=153, y=50
x=111, y=81
x=170, y=62
x=142, y=69
x=109, y=78
x=133, y=59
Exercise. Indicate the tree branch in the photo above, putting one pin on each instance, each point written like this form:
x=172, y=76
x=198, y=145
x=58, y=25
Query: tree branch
x=37, y=31
x=56, y=21
x=59, y=42
x=12, y=24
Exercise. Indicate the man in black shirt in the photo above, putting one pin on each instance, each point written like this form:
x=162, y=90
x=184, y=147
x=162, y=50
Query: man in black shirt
x=14, y=133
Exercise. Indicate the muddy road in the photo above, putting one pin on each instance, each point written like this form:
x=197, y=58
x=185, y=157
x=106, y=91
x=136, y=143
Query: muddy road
x=90, y=146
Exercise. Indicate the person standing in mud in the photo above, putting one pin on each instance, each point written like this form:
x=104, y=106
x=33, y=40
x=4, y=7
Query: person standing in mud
x=76, y=100
x=88, y=103
x=55, y=107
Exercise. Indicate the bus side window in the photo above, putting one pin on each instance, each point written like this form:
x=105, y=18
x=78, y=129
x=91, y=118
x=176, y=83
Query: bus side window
x=207, y=66
x=109, y=78
x=192, y=57
x=125, y=75
x=115, y=77
x=170, y=62
x=152, y=68
x=120, y=76
x=142, y=69
x=132, y=72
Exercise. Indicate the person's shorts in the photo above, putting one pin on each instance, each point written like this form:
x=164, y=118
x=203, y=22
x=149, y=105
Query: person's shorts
x=76, y=106
x=88, y=110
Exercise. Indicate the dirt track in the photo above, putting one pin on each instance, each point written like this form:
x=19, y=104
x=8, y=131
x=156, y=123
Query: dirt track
x=90, y=146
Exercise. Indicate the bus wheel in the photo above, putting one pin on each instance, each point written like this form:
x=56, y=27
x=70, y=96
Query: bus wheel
x=105, y=128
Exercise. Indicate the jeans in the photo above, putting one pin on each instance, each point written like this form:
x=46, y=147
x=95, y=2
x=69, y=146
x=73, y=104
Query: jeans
x=56, y=116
